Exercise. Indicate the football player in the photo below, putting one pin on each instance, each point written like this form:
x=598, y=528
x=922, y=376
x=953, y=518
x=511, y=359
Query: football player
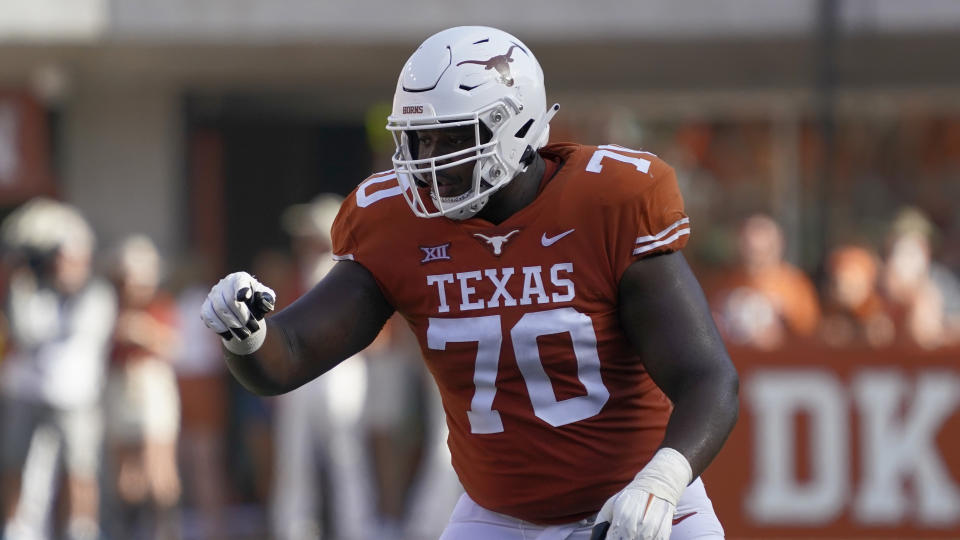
x=583, y=379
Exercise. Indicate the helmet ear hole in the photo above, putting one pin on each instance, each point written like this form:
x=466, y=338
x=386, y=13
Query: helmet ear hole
x=522, y=132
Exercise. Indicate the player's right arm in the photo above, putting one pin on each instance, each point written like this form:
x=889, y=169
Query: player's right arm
x=339, y=317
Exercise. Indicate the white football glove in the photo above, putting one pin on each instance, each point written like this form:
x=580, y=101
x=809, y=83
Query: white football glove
x=644, y=509
x=234, y=309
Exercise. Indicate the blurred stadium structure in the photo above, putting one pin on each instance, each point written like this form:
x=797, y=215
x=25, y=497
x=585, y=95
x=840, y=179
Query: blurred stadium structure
x=198, y=121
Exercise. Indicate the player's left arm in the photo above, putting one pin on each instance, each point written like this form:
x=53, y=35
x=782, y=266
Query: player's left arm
x=665, y=315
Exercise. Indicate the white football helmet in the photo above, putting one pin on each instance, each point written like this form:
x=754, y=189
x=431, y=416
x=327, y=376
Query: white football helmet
x=468, y=76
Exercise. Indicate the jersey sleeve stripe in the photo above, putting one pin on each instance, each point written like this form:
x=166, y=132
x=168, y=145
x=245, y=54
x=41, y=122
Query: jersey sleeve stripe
x=347, y=257
x=665, y=241
x=619, y=148
x=661, y=234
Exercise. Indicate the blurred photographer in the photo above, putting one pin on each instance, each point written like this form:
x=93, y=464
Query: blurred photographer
x=60, y=320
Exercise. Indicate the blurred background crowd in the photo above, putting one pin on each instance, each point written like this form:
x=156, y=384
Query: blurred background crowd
x=110, y=377
x=147, y=148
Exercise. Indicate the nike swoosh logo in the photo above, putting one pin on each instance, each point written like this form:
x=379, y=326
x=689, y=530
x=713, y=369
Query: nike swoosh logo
x=683, y=517
x=550, y=240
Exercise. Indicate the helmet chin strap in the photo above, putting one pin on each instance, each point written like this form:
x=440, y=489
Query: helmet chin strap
x=469, y=210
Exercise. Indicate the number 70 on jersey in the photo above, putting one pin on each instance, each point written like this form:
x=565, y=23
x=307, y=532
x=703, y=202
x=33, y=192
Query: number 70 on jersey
x=487, y=333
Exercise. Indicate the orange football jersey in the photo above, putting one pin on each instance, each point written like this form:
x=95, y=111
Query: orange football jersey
x=549, y=408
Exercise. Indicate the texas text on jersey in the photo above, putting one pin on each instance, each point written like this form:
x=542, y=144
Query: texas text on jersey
x=549, y=409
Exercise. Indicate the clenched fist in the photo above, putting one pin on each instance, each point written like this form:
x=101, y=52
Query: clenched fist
x=234, y=308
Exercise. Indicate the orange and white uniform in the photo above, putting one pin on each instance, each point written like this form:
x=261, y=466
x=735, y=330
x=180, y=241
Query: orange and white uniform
x=550, y=410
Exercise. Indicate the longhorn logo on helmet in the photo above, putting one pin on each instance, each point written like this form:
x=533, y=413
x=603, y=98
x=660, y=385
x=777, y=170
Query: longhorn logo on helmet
x=501, y=63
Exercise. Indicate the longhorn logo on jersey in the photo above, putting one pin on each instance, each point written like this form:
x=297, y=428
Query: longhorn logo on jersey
x=496, y=243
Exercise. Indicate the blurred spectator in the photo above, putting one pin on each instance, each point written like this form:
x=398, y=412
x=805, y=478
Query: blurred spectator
x=417, y=486
x=319, y=425
x=203, y=395
x=765, y=300
x=61, y=319
x=855, y=312
x=393, y=427
x=925, y=295
x=143, y=403
x=256, y=415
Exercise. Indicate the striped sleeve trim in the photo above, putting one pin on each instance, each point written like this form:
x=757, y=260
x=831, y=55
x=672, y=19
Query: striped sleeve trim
x=347, y=257
x=619, y=148
x=661, y=234
x=646, y=243
x=663, y=242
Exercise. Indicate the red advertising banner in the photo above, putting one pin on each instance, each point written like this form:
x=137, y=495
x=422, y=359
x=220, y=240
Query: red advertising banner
x=24, y=148
x=842, y=444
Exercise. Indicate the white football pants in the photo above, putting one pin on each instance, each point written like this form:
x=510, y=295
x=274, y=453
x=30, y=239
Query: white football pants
x=694, y=519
